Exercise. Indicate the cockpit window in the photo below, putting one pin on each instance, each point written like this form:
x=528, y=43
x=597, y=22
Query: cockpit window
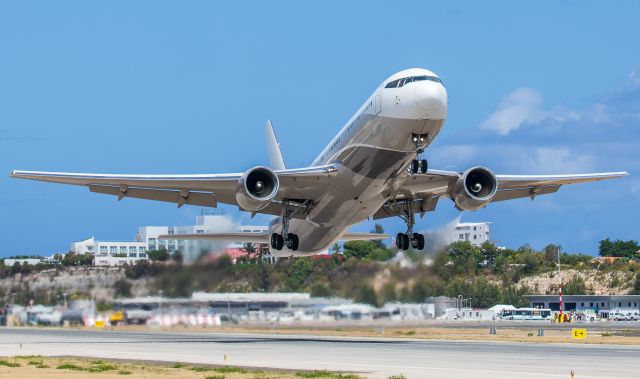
x=401, y=82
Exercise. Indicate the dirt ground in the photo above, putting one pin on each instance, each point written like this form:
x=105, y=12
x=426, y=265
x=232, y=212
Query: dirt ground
x=504, y=333
x=77, y=368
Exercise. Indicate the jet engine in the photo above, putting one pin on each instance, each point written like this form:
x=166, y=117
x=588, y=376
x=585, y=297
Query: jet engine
x=256, y=188
x=474, y=189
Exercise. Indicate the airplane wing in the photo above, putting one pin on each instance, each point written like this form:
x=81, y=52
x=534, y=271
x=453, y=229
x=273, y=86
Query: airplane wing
x=426, y=189
x=262, y=237
x=229, y=237
x=205, y=190
x=352, y=236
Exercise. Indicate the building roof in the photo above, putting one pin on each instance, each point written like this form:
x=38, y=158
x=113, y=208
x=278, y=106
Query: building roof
x=582, y=297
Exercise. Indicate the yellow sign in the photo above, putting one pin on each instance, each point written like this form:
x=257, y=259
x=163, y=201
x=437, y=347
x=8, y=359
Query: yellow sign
x=578, y=333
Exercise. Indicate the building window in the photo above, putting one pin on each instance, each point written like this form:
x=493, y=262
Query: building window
x=143, y=255
x=113, y=250
x=123, y=249
x=582, y=304
x=142, y=248
x=133, y=249
x=132, y=255
x=103, y=250
x=591, y=304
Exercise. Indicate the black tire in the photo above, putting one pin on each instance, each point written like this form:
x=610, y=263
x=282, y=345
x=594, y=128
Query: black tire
x=405, y=242
x=280, y=242
x=292, y=242
x=420, y=238
x=274, y=241
x=399, y=241
x=415, y=166
x=424, y=165
x=415, y=241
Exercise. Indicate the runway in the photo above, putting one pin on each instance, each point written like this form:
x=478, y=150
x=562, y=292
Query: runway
x=370, y=357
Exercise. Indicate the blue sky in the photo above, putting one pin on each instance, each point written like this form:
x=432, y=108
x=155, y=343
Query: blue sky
x=185, y=87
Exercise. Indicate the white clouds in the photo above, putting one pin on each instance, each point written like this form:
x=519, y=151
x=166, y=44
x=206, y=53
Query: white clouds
x=524, y=106
x=559, y=160
x=520, y=106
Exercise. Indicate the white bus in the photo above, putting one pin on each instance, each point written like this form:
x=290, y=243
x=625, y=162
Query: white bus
x=525, y=314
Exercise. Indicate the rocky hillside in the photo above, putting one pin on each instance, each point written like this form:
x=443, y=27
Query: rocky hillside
x=48, y=286
x=595, y=282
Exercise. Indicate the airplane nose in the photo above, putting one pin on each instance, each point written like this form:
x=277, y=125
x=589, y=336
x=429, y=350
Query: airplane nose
x=431, y=97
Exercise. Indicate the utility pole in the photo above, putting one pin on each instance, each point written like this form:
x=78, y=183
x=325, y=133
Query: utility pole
x=559, y=277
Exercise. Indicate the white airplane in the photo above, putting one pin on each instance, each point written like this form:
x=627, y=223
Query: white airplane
x=370, y=170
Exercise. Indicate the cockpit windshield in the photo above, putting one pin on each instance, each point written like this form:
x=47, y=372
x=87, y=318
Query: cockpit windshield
x=400, y=82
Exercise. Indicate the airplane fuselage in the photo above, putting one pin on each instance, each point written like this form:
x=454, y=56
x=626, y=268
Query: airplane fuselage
x=372, y=151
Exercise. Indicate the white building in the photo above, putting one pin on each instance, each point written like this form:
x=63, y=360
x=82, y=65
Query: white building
x=84, y=247
x=134, y=250
x=30, y=261
x=111, y=253
x=475, y=232
x=205, y=223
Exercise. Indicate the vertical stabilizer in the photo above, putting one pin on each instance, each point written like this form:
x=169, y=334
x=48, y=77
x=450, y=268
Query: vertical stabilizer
x=275, y=155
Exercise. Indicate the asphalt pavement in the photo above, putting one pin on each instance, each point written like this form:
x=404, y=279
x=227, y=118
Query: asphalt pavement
x=371, y=357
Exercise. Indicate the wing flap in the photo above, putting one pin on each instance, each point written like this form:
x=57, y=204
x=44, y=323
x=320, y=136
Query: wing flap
x=351, y=236
x=206, y=199
x=229, y=237
x=509, y=194
x=521, y=181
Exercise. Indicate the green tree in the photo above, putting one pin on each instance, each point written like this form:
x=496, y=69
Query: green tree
x=359, y=249
x=636, y=285
x=177, y=256
x=364, y=293
x=158, y=255
x=575, y=286
x=122, y=288
x=619, y=248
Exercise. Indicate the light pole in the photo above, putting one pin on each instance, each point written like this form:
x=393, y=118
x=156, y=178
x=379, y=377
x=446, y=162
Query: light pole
x=559, y=278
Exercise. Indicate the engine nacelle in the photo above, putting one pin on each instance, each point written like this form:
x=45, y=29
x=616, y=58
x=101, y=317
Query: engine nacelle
x=256, y=188
x=474, y=189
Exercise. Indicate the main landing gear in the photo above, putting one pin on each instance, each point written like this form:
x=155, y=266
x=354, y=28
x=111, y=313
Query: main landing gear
x=404, y=240
x=419, y=165
x=280, y=240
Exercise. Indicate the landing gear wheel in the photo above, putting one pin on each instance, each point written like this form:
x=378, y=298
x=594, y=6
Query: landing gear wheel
x=277, y=242
x=399, y=241
x=424, y=166
x=418, y=241
x=405, y=242
x=415, y=166
x=292, y=241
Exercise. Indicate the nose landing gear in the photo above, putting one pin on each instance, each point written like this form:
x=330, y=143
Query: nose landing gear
x=404, y=240
x=419, y=165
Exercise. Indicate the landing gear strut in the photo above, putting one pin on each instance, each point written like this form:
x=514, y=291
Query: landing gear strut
x=290, y=240
x=404, y=240
x=419, y=165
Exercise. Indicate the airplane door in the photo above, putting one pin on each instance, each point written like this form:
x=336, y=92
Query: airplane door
x=378, y=102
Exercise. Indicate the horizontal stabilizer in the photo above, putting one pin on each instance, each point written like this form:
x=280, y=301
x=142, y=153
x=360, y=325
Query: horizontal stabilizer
x=348, y=236
x=229, y=237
